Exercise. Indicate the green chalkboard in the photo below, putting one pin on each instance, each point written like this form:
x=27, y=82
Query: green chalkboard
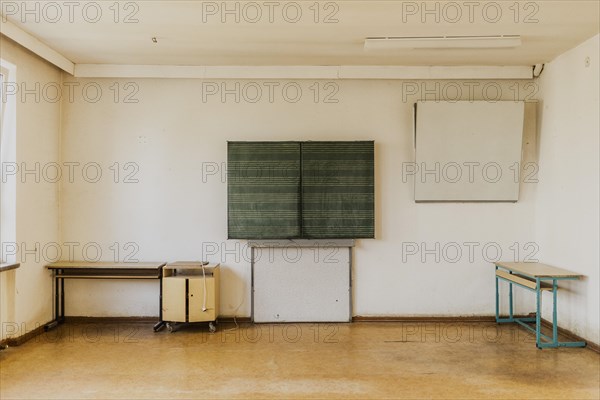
x=338, y=190
x=263, y=190
x=310, y=190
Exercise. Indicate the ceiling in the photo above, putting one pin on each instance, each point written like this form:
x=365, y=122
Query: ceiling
x=203, y=33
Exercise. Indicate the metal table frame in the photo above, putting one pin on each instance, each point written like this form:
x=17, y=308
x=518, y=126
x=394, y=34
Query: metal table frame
x=62, y=270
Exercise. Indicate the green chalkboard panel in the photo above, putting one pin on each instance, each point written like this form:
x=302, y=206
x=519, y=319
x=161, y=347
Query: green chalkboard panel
x=311, y=190
x=338, y=190
x=263, y=190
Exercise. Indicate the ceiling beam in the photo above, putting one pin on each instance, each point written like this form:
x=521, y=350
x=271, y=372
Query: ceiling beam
x=303, y=72
x=33, y=44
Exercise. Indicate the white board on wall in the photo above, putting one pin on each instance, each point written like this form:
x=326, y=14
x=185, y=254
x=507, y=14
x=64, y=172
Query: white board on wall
x=301, y=284
x=468, y=151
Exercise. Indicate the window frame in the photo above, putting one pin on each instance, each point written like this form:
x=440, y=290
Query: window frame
x=8, y=138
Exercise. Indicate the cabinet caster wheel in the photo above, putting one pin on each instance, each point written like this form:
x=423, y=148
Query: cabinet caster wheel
x=158, y=326
x=169, y=327
x=211, y=327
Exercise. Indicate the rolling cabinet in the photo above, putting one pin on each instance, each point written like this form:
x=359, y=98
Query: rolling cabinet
x=190, y=293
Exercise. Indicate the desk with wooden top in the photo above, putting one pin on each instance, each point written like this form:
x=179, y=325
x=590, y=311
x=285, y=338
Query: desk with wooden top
x=7, y=267
x=538, y=278
x=97, y=270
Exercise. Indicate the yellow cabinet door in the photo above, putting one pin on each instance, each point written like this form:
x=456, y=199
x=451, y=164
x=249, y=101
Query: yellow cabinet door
x=197, y=301
x=173, y=299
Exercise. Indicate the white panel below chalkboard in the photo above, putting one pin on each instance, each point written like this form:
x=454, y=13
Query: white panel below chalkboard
x=301, y=284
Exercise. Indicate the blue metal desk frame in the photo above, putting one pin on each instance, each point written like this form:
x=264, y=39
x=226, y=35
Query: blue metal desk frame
x=542, y=341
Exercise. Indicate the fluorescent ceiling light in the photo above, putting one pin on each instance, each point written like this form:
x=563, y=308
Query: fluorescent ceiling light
x=442, y=42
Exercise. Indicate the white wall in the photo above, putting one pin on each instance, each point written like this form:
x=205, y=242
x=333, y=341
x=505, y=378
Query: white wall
x=171, y=213
x=37, y=220
x=566, y=205
x=173, y=135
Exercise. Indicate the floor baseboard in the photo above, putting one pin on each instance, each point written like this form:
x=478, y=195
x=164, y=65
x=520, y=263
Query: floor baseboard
x=110, y=320
x=363, y=318
x=239, y=320
x=19, y=340
x=572, y=337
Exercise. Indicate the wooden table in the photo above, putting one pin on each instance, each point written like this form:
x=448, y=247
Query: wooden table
x=538, y=278
x=97, y=270
x=7, y=267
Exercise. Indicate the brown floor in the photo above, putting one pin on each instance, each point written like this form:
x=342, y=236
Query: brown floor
x=356, y=361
